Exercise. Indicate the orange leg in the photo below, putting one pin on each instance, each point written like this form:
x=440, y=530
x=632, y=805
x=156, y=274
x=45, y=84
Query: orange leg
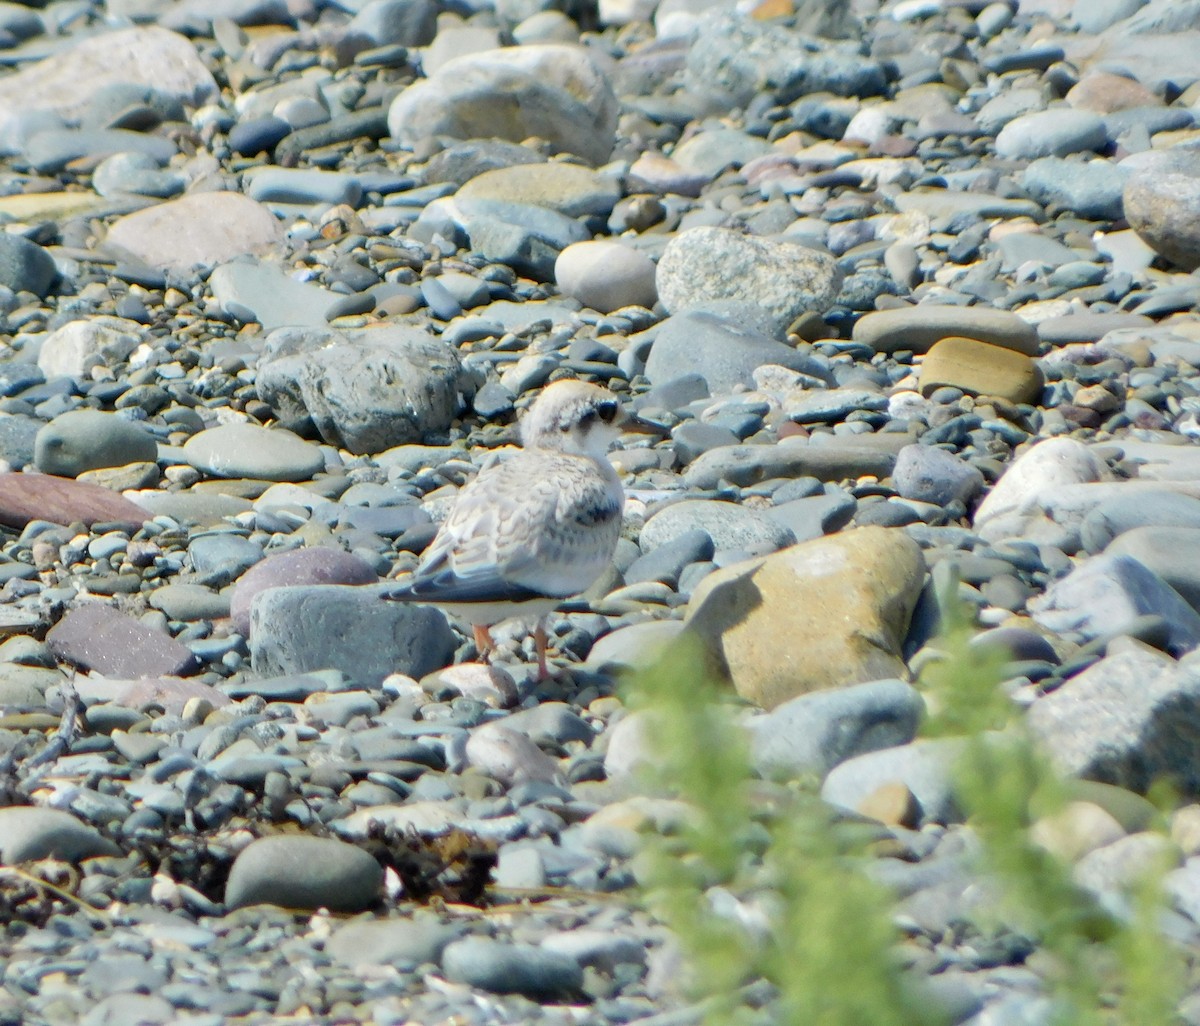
x=539, y=643
x=483, y=641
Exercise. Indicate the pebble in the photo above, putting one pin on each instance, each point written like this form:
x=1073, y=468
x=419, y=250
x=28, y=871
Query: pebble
x=304, y=873
x=246, y=450
x=511, y=968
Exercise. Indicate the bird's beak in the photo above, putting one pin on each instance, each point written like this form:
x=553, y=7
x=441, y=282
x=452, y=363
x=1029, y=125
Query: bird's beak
x=632, y=424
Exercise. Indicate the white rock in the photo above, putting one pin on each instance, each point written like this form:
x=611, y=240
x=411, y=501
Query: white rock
x=72, y=350
x=606, y=275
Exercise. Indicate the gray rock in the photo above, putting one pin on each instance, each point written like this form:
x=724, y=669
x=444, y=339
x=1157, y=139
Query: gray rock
x=815, y=732
x=298, y=567
x=72, y=350
x=1107, y=594
x=186, y=602
x=1098, y=15
x=729, y=525
x=84, y=440
x=222, y=557
x=831, y=406
x=368, y=390
x=303, y=185
x=926, y=768
x=395, y=23
x=1057, y=132
x=29, y=833
x=917, y=328
x=1162, y=204
x=299, y=872
x=748, y=464
x=298, y=629
x=814, y=516
x=723, y=352
x=1127, y=720
x=403, y=943
x=25, y=266
x=929, y=474
x=247, y=450
x=17, y=438
x=1113, y=517
x=703, y=264
x=504, y=968
x=51, y=151
x=253, y=291
x=553, y=92
x=666, y=562
x=1091, y=189
x=1171, y=552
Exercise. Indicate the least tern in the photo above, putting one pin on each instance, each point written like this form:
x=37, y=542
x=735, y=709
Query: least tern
x=534, y=529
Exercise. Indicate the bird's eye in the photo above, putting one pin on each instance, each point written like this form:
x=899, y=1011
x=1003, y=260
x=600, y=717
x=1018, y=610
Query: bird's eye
x=607, y=411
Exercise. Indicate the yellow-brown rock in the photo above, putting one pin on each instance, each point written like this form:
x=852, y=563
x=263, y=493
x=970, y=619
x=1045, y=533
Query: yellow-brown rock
x=823, y=614
x=981, y=369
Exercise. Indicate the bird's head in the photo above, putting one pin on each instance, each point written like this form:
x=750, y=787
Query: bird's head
x=574, y=417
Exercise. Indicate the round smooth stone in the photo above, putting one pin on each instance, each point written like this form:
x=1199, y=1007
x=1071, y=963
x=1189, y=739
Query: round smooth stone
x=606, y=275
x=511, y=968
x=296, y=871
x=83, y=440
x=246, y=450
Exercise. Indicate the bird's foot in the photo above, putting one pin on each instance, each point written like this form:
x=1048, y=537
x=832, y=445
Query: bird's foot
x=484, y=645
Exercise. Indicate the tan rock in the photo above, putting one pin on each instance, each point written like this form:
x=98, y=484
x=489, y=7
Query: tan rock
x=1077, y=828
x=1105, y=93
x=894, y=804
x=823, y=614
x=981, y=369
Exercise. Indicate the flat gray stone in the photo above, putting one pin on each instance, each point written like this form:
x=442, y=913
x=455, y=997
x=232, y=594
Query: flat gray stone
x=729, y=525
x=1113, y=517
x=747, y=464
x=404, y=943
x=926, y=768
x=1171, y=552
x=25, y=266
x=504, y=968
x=263, y=293
x=298, y=629
x=28, y=833
x=917, y=328
x=83, y=440
x=811, y=734
x=1057, y=132
x=247, y=450
x=300, y=872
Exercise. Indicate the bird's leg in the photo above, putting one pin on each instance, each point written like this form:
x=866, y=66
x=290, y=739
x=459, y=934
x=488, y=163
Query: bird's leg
x=483, y=641
x=539, y=643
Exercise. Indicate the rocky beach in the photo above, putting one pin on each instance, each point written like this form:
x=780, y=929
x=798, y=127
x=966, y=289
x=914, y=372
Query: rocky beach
x=909, y=290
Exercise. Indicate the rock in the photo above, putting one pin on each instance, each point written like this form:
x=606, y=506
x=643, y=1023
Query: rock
x=1169, y=552
x=198, y=230
x=83, y=440
x=925, y=768
x=29, y=833
x=722, y=351
x=981, y=369
x=551, y=91
x=402, y=943
x=606, y=275
x=65, y=83
x=18, y=435
x=815, y=732
x=1046, y=468
x=1105, y=595
x=730, y=526
x=25, y=266
x=565, y=188
x=700, y=265
x=929, y=474
x=394, y=23
x=297, y=567
x=298, y=872
x=367, y=390
x=247, y=450
x=26, y=497
x=1076, y=829
x=1057, y=132
x=1125, y=720
x=792, y=457
x=77, y=346
x=844, y=601
x=263, y=293
x=504, y=968
x=918, y=328
x=1162, y=204
x=509, y=756
x=1161, y=509
x=97, y=637
x=269, y=184
x=299, y=629
x=1093, y=189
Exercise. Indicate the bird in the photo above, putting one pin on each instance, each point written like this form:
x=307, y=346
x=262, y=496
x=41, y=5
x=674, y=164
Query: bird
x=536, y=528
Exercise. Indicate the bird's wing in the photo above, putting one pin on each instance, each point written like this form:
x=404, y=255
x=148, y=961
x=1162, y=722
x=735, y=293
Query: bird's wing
x=532, y=526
